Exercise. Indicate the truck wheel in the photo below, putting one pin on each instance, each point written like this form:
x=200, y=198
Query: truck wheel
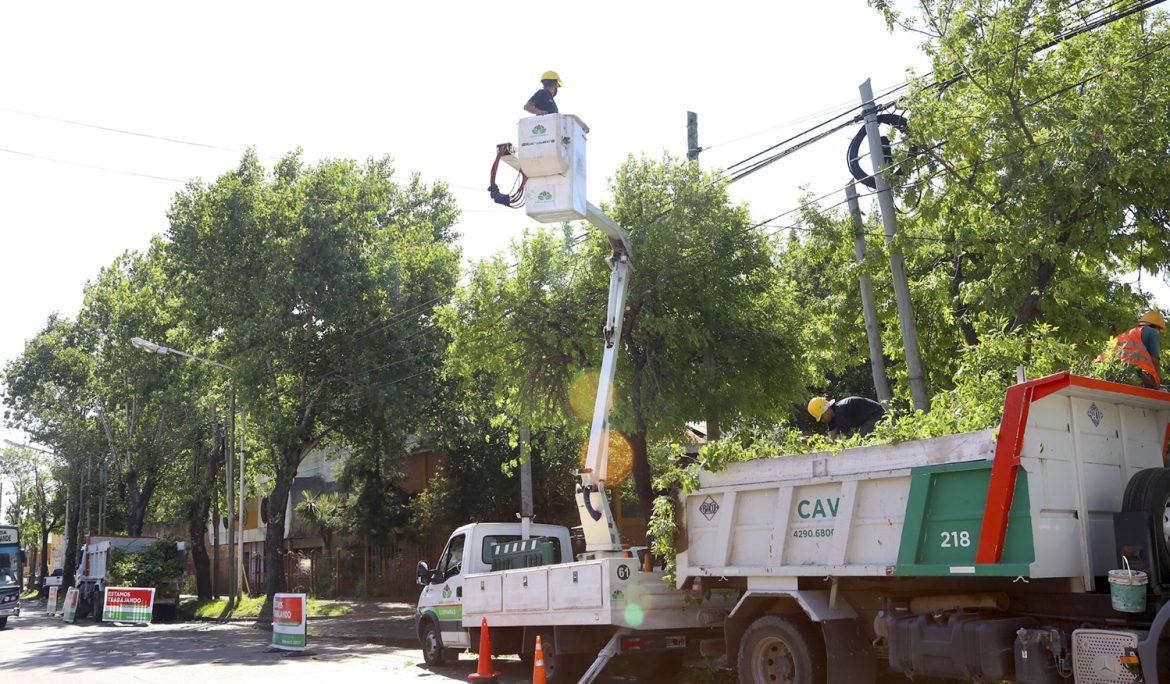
x=432, y=646
x=3, y=621
x=562, y=668
x=99, y=607
x=83, y=608
x=781, y=650
x=1148, y=491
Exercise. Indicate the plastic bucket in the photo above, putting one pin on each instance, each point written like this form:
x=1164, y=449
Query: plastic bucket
x=1127, y=588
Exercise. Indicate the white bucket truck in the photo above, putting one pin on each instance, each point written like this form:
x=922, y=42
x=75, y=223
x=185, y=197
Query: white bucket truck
x=587, y=607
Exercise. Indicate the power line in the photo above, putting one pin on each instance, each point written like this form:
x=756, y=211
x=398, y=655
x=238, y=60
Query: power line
x=91, y=166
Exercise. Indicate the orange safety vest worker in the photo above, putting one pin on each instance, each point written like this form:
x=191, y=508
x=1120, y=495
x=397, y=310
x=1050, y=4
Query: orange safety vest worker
x=1129, y=348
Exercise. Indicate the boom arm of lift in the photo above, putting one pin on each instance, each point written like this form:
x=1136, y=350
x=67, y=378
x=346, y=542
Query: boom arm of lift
x=601, y=533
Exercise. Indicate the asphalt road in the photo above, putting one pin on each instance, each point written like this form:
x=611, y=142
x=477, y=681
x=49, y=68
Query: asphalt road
x=44, y=649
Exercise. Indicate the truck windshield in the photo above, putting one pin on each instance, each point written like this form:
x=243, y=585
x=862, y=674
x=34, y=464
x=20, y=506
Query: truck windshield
x=6, y=577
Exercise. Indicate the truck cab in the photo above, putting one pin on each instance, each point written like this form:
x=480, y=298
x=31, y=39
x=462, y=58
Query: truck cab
x=469, y=550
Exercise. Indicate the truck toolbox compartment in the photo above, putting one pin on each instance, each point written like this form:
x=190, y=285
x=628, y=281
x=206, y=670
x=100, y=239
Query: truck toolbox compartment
x=482, y=594
x=578, y=586
x=526, y=590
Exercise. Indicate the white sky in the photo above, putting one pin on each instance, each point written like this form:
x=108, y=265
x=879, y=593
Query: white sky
x=434, y=84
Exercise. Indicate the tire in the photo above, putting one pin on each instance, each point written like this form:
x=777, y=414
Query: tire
x=3, y=622
x=84, y=606
x=781, y=650
x=432, y=646
x=99, y=606
x=562, y=668
x=1148, y=491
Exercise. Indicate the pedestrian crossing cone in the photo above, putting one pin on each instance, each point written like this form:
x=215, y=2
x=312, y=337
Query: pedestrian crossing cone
x=484, y=671
x=538, y=664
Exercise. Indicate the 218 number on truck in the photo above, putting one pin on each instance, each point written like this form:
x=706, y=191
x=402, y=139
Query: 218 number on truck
x=955, y=539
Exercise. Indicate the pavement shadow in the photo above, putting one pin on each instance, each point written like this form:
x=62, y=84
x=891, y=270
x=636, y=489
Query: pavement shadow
x=86, y=646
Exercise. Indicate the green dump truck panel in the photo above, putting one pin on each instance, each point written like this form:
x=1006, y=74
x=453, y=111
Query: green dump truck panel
x=944, y=514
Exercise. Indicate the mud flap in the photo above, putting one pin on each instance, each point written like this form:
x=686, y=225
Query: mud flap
x=849, y=655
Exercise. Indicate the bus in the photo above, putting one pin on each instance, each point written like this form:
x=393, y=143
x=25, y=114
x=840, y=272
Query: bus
x=11, y=573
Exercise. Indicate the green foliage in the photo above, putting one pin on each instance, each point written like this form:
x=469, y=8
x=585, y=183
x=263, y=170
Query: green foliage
x=709, y=330
x=326, y=512
x=157, y=565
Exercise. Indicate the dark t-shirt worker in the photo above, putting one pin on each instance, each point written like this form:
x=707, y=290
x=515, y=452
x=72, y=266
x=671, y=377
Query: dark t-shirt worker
x=542, y=101
x=846, y=416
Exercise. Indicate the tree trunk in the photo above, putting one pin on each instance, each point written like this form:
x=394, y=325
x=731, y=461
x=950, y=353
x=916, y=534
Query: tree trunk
x=72, y=522
x=139, y=496
x=197, y=522
x=642, y=481
x=44, y=552
x=274, y=530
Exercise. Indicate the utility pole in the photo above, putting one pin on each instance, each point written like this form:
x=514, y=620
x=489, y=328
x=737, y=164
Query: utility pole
x=693, y=137
x=229, y=499
x=918, y=393
x=525, y=480
x=240, y=503
x=872, y=331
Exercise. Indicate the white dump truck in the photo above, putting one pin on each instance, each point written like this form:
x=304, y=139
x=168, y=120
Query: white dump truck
x=1033, y=553
x=93, y=574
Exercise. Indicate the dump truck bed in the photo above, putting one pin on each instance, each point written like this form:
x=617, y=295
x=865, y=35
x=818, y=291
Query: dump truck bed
x=1032, y=498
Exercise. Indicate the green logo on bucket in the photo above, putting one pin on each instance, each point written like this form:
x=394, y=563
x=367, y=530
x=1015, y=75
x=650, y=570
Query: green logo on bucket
x=544, y=196
x=539, y=130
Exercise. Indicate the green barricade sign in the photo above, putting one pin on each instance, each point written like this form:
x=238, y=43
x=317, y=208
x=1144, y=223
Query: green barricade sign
x=51, y=602
x=288, y=621
x=69, y=610
x=128, y=604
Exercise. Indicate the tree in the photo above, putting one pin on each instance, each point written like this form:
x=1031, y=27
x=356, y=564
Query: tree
x=317, y=284
x=708, y=331
x=38, y=510
x=1042, y=162
x=142, y=402
x=326, y=512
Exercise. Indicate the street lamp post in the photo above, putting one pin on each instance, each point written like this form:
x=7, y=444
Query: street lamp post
x=235, y=544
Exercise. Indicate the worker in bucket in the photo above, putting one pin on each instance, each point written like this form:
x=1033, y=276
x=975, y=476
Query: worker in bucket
x=851, y=415
x=542, y=102
x=1141, y=349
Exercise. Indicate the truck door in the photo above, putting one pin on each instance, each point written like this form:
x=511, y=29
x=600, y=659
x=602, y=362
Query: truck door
x=445, y=593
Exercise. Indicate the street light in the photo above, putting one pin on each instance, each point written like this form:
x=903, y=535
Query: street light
x=235, y=545
x=151, y=347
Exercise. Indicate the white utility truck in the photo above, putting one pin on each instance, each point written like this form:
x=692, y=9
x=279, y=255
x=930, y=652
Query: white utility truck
x=608, y=600
x=1002, y=555
x=93, y=575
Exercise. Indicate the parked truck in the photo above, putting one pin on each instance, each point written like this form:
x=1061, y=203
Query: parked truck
x=1009, y=554
x=11, y=573
x=94, y=574
x=606, y=600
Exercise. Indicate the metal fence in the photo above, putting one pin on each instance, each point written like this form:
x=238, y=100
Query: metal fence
x=348, y=571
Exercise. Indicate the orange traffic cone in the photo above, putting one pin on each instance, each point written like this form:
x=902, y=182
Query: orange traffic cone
x=538, y=664
x=484, y=671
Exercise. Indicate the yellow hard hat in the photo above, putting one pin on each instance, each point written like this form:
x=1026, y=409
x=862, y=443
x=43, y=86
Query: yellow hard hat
x=1155, y=319
x=817, y=406
x=552, y=76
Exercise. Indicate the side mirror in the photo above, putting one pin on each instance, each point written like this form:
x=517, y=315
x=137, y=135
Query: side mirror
x=422, y=574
